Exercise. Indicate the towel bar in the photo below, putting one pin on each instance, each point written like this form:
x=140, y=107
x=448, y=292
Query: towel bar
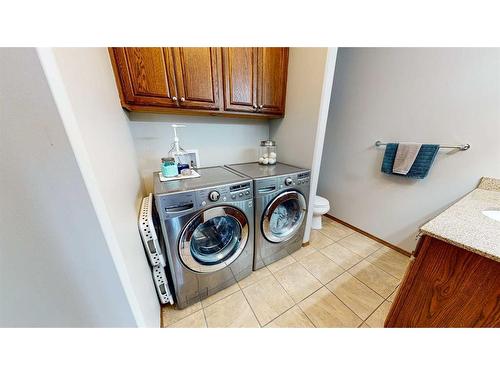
x=463, y=147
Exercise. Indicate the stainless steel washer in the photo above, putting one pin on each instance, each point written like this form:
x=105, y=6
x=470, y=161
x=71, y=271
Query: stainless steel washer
x=208, y=229
x=281, y=196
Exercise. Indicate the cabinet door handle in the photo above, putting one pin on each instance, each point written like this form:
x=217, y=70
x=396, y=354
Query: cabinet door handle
x=183, y=99
x=255, y=107
x=261, y=106
x=174, y=98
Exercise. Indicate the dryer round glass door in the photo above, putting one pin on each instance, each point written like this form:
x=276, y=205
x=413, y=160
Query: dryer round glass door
x=284, y=216
x=213, y=239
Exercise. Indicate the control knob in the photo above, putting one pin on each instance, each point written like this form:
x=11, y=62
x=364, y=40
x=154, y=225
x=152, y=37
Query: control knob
x=288, y=181
x=214, y=196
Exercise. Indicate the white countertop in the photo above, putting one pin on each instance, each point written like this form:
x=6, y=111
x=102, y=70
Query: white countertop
x=464, y=225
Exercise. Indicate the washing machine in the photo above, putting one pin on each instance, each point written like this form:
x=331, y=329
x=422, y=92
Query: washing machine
x=208, y=230
x=281, y=194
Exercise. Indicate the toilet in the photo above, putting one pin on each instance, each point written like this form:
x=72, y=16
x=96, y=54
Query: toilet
x=320, y=207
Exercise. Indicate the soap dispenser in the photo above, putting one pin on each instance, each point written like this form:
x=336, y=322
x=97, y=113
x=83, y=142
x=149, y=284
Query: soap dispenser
x=180, y=156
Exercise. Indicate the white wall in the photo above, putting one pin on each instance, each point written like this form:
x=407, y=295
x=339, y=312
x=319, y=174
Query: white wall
x=84, y=89
x=439, y=95
x=299, y=135
x=55, y=266
x=218, y=140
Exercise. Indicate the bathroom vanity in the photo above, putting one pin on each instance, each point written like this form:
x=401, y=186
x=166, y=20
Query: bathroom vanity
x=454, y=276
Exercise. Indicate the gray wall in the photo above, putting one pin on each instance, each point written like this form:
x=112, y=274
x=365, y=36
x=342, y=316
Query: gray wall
x=85, y=91
x=55, y=267
x=440, y=95
x=218, y=140
x=295, y=133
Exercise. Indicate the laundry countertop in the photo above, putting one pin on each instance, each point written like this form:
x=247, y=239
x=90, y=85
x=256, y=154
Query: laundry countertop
x=464, y=225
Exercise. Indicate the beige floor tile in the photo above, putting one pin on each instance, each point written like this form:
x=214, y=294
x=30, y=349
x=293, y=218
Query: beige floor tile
x=254, y=277
x=342, y=256
x=233, y=311
x=220, y=295
x=393, y=294
x=268, y=299
x=170, y=314
x=280, y=264
x=321, y=267
x=326, y=310
x=297, y=282
x=196, y=320
x=303, y=251
x=364, y=325
x=335, y=230
x=356, y=295
x=359, y=244
x=378, y=280
x=390, y=261
x=293, y=318
x=377, y=319
x=318, y=240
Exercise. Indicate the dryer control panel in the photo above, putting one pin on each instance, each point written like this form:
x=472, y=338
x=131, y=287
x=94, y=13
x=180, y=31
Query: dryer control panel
x=270, y=185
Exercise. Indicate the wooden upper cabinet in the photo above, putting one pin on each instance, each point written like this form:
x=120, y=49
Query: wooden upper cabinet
x=240, y=79
x=198, y=75
x=272, y=74
x=216, y=81
x=255, y=79
x=146, y=76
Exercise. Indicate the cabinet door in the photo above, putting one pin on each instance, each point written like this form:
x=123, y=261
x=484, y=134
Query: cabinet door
x=240, y=79
x=272, y=75
x=198, y=76
x=146, y=76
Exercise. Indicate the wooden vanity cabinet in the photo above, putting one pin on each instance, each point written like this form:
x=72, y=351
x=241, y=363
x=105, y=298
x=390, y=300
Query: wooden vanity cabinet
x=247, y=82
x=447, y=286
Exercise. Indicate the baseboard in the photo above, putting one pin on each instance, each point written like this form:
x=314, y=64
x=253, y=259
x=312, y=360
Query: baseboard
x=389, y=245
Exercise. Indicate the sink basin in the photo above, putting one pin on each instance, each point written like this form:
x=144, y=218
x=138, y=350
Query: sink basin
x=492, y=214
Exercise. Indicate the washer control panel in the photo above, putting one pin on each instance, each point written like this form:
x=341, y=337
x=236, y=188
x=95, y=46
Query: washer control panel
x=214, y=195
x=226, y=193
x=241, y=191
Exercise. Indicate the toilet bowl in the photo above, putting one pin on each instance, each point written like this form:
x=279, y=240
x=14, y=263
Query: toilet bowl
x=320, y=207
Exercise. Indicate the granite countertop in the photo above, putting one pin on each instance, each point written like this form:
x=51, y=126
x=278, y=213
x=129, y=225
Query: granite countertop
x=464, y=225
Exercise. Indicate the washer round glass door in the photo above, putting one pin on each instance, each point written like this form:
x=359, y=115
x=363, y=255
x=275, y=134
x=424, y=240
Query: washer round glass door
x=283, y=216
x=213, y=239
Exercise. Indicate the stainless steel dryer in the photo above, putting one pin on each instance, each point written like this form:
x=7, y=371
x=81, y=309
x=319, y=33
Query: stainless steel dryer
x=208, y=228
x=281, y=196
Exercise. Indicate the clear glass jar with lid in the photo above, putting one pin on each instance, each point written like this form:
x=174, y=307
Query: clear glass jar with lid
x=267, y=152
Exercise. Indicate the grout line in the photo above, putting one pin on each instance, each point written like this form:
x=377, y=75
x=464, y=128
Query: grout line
x=205, y=317
x=250, y=305
x=307, y=316
x=284, y=312
x=368, y=317
x=230, y=294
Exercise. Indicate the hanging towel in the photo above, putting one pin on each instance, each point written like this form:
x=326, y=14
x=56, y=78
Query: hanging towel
x=405, y=156
x=421, y=165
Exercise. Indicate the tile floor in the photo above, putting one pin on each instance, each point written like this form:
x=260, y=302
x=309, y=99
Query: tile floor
x=342, y=279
